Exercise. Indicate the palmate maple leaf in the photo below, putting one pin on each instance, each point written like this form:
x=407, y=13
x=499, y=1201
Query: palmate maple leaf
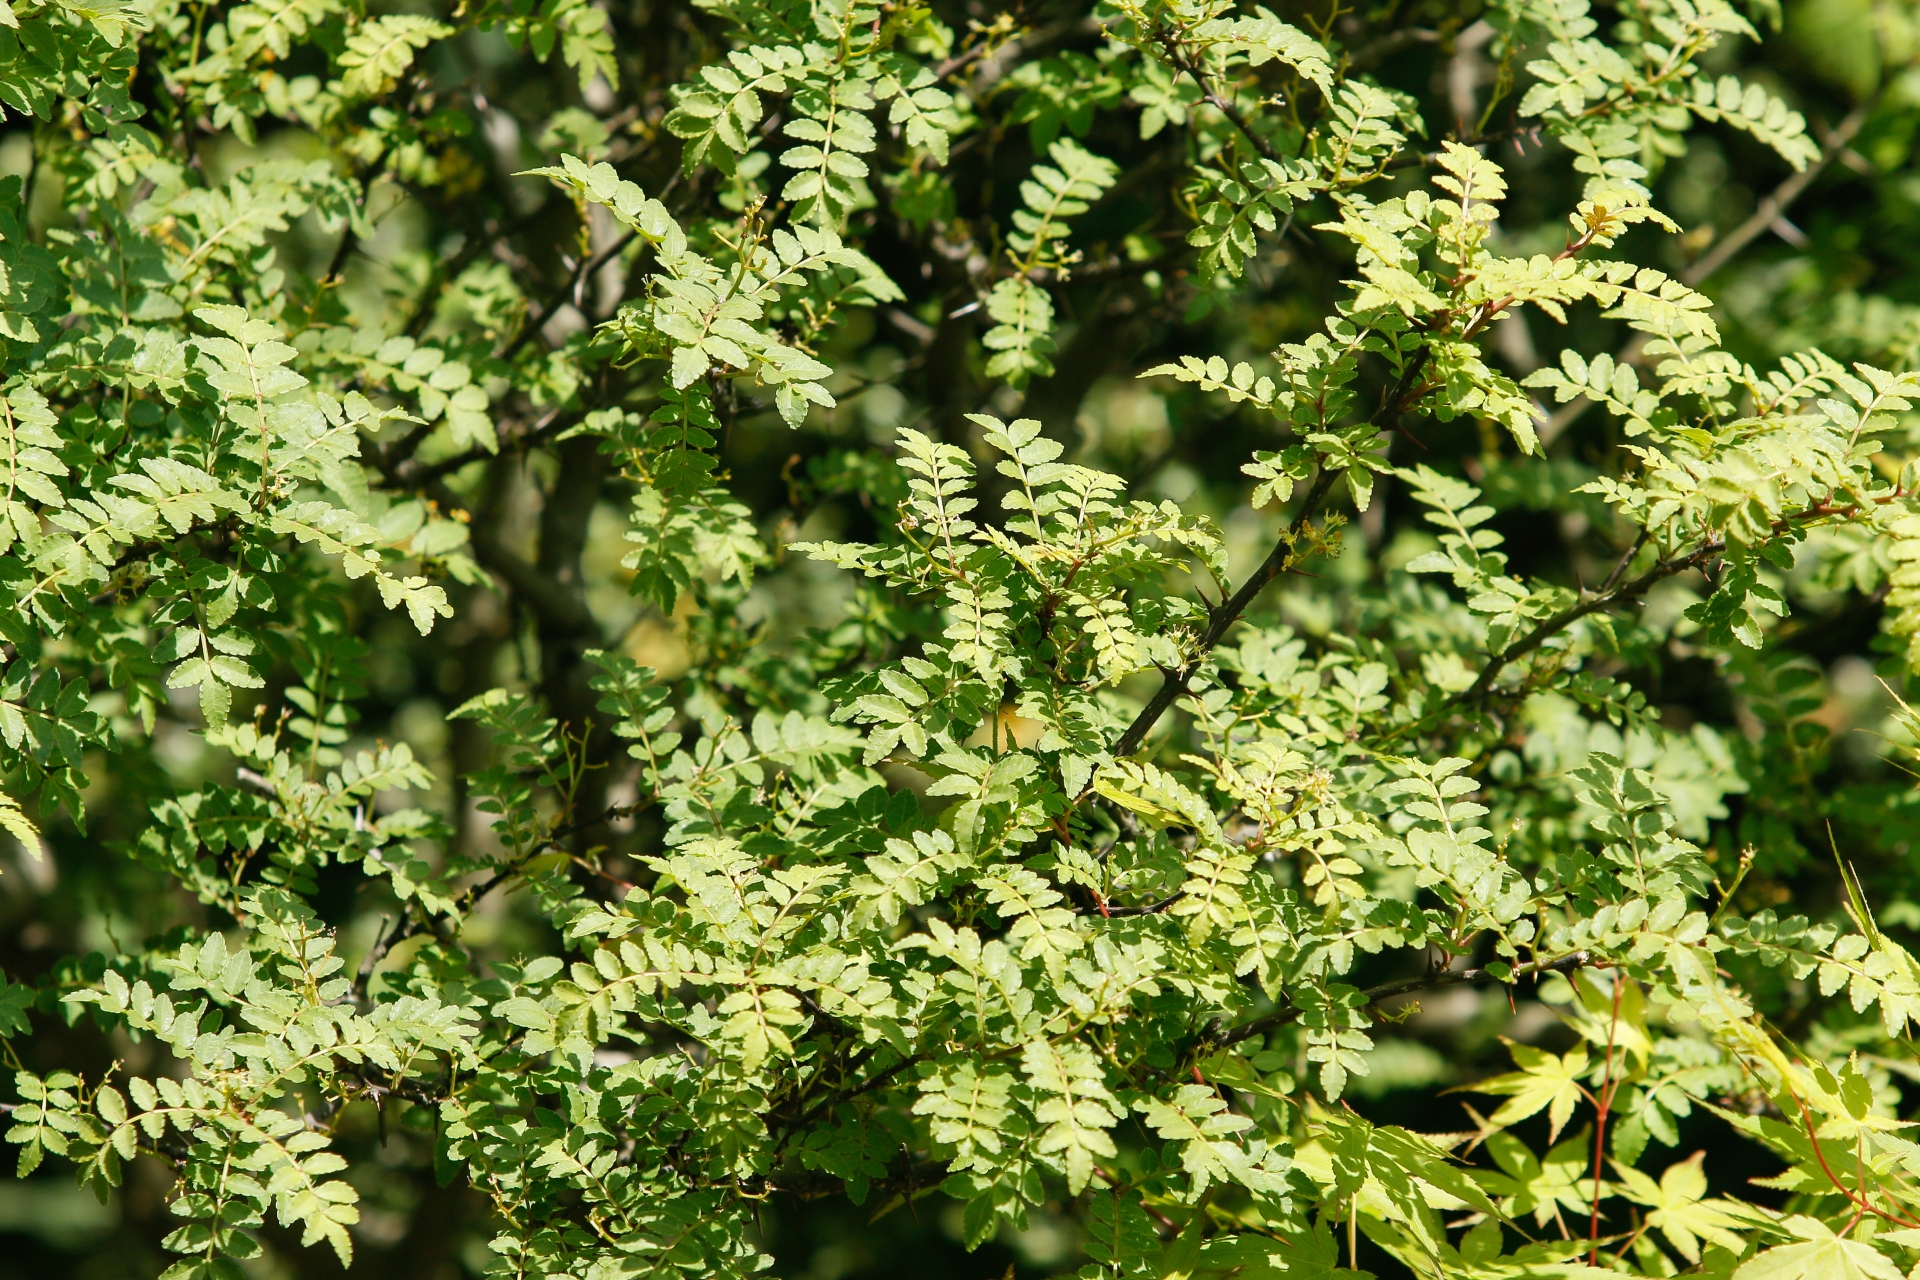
x=1528, y=1184
x=1544, y=1080
x=1680, y=1210
x=1819, y=1255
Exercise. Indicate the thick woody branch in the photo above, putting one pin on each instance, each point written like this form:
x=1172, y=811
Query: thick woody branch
x=551, y=600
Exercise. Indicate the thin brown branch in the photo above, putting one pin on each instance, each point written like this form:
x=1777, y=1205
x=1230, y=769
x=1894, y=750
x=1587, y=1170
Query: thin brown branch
x=1772, y=207
x=479, y=889
x=1183, y=60
x=581, y=273
x=411, y=473
x=1559, y=622
x=1283, y=557
x=1613, y=594
x=1279, y=560
x=1426, y=982
x=905, y=1176
x=1776, y=202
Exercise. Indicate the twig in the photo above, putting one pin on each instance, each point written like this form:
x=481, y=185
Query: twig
x=583, y=270
x=412, y=473
x=1559, y=622
x=1281, y=558
x=1775, y=203
x=1625, y=562
x=1444, y=978
x=331, y=278
x=481, y=888
x=1278, y=560
x=1183, y=60
x=382, y=943
x=994, y=58
x=1154, y=910
x=1573, y=613
x=1770, y=209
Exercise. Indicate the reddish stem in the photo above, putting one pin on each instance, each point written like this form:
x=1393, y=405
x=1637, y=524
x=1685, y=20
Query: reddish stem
x=1603, y=1104
x=1806, y=1118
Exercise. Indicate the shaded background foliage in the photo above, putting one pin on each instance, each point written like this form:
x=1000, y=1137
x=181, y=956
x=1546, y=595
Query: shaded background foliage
x=465, y=249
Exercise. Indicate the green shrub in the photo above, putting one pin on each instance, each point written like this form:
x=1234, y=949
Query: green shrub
x=561, y=642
